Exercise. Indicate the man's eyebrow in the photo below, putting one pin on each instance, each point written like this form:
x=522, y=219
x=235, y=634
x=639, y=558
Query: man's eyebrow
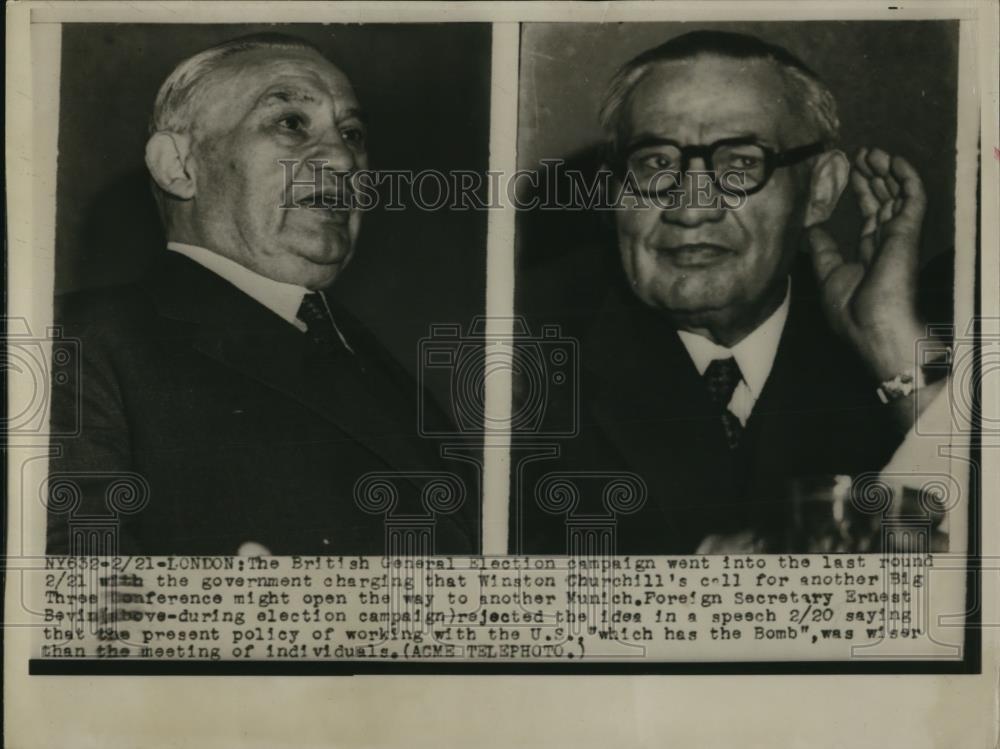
x=646, y=139
x=745, y=135
x=353, y=112
x=292, y=95
x=283, y=96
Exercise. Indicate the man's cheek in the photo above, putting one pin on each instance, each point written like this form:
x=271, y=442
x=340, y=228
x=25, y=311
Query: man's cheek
x=228, y=181
x=635, y=228
x=630, y=249
x=638, y=220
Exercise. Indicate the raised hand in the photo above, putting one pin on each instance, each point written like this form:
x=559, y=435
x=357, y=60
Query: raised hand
x=871, y=300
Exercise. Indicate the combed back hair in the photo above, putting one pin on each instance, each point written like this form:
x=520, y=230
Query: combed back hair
x=807, y=92
x=172, y=110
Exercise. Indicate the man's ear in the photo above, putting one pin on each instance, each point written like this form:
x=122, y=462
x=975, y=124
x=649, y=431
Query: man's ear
x=830, y=173
x=167, y=158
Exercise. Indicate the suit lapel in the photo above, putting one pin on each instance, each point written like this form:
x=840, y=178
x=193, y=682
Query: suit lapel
x=646, y=396
x=237, y=332
x=780, y=401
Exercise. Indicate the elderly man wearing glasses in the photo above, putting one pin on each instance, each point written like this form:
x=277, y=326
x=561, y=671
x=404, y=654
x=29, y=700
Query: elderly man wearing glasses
x=729, y=368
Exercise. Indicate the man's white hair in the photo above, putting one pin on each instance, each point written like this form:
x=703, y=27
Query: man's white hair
x=808, y=93
x=172, y=111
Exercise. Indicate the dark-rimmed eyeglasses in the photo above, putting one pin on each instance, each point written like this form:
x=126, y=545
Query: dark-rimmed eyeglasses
x=736, y=165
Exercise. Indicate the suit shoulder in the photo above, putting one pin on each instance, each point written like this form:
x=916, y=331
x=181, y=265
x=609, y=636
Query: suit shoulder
x=94, y=311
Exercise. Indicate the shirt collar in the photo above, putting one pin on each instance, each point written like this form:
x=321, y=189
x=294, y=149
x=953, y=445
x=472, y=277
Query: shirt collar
x=283, y=299
x=754, y=354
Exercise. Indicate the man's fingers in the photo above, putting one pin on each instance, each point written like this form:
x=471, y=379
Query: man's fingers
x=881, y=190
x=890, y=186
x=911, y=188
x=825, y=254
x=893, y=185
x=867, y=201
x=887, y=211
x=867, y=246
x=879, y=161
x=890, y=190
x=877, y=165
x=861, y=163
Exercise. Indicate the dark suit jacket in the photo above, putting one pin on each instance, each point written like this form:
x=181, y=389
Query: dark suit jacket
x=195, y=394
x=644, y=409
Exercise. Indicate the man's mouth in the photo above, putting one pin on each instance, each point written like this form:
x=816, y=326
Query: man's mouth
x=335, y=207
x=695, y=255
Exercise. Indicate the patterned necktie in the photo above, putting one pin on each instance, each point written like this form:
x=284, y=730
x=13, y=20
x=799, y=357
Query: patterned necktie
x=721, y=378
x=320, y=328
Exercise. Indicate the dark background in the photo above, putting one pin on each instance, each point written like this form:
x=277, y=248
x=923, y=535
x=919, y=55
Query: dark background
x=426, y=92
x=896, y=85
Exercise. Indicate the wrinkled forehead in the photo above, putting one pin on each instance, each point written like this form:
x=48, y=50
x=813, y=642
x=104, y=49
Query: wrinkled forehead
x=706, y=98
x=238, y=85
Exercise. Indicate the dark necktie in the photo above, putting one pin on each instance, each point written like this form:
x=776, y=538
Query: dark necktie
x=320, y=328
x=721, y=378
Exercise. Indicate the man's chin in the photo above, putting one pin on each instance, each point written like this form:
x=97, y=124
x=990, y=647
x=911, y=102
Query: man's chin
x=333, y=254
x=313, y=267
x=322, y=272
x=688, y=294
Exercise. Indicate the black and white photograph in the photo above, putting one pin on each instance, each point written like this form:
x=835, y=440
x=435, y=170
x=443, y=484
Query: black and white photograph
x=501, y=374
x=248, y=326
x=746, y=232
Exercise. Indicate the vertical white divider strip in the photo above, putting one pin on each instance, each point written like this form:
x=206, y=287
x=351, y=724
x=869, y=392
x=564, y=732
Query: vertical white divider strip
x=500, y=288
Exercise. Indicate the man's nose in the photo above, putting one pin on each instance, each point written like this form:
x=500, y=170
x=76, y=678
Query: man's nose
x=332, y=153
x=699, y=200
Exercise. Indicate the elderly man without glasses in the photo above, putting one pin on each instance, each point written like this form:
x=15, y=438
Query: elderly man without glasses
x=229, y=386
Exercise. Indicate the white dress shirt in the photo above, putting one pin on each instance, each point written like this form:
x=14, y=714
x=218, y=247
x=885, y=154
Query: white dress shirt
x=754, y=355
x=283, y=299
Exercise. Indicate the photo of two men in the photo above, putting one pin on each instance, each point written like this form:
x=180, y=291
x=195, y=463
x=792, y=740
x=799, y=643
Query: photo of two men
x=716, y=347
